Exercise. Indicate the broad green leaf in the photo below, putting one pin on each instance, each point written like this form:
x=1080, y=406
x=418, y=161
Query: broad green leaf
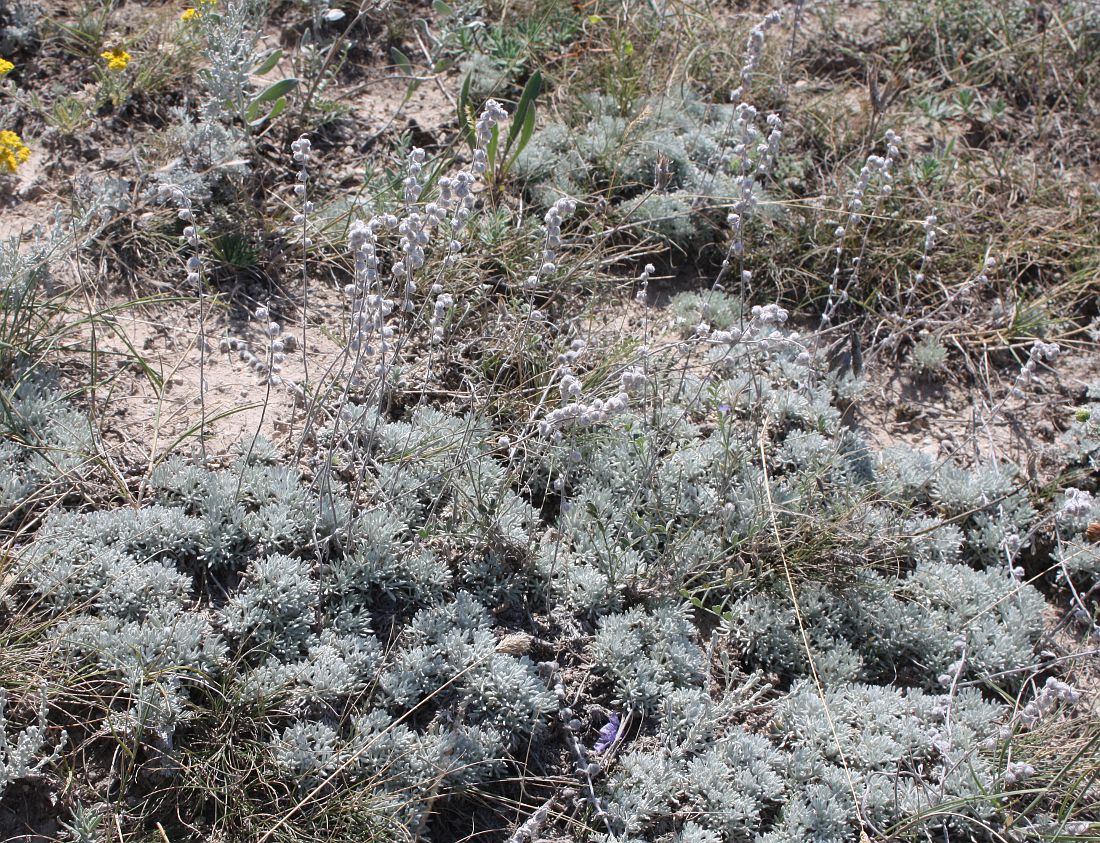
x=275, y=90
x=269, y=63
x=464, y=127
x=526, y=101
x=491, y=152
x=524, y=135
x=276, y=110
x=401, y=60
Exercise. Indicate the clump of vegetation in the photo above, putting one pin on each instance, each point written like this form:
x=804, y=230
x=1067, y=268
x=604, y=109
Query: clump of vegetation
x=455, y=557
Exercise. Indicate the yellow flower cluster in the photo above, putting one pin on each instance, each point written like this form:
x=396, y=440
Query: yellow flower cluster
x=12, y=152
x=196, y=13
x=6, y=67
x=116, y=58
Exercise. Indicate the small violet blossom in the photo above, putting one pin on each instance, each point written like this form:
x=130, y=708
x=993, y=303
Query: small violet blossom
x=608, y=734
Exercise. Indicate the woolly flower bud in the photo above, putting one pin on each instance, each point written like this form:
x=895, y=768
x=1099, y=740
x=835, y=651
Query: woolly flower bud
x=769, y=315
x=1077, y=504
x=1017, y=771
x=565, y=206
x=491, y=115
x=1045, y=351
x=633, y=380
x=570, y=386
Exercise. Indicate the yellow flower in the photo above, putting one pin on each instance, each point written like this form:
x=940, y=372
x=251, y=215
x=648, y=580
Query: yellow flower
x=12, y=151
x=116, y=58
x=190, y=15
x=6, y=67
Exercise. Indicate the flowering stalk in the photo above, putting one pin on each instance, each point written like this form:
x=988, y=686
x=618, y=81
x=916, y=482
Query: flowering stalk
x=174, y=193
x=369, y=308
x=877, y=168
x=302, y=150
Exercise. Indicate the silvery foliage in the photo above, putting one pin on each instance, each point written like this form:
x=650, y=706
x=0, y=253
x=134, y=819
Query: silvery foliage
x=215, y=145
x=669, y=159
x=941, y=615
x=19, y=24
x=274, y=609
x=341, y=621
x=232, y=39
x=50, y=441
x=450, y=653
x=1083, y=436
x=991, y=508
x=21, y=752
x=1078, y=555
x=938, y=621
x=717, y=309
x=647, y=655
x=723, y=783
x=298, y=626
x=84, y=823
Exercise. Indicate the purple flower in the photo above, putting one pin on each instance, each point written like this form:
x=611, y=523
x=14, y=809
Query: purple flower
x=608, y=734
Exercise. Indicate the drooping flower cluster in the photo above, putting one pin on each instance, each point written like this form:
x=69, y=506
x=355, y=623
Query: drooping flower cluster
x=633, y=380
x=1054, y=691
x=754, y=156
x=270, y=369
x=491, y=115
x=576, y=412
x=450, y=210
x=876, y=166
x=302, y=149
x=413, y=227
x=929, y=240
x=443, y=303
x=1041, y=352
x=369, y=308
x=573, y=411
x=559, y=211
x=177, y=195
x=457, y=192
x=754, y=49
x=642, y=296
